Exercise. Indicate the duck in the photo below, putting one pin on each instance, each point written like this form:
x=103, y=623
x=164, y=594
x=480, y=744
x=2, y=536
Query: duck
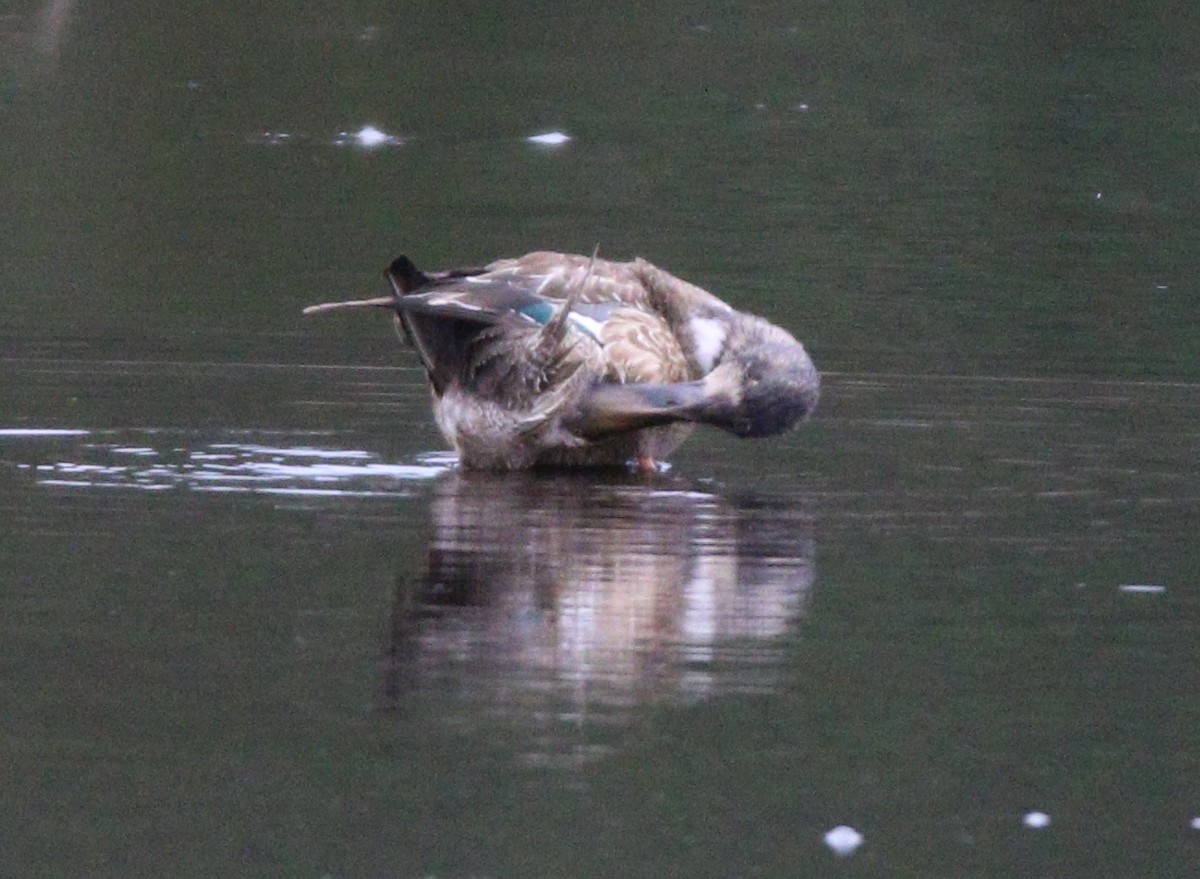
x=564, y=360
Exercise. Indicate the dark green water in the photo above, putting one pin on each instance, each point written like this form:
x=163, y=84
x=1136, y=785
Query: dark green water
x=254, y=622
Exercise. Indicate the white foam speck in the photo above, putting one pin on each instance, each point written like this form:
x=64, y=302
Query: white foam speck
x=274, y=138
x=1142, y=588
x=368, y=137
x=550, y=139
x=844, y=840
x=1036, y=820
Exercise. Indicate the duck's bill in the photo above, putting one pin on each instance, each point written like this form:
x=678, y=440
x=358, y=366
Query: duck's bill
x=610, y=409
x=377, y=302
x=765, y=409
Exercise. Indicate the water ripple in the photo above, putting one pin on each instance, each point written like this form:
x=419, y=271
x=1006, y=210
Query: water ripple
x=160, y=460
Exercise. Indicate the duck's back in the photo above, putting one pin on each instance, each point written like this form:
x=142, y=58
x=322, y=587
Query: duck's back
x=641, y=318
x=636, y=282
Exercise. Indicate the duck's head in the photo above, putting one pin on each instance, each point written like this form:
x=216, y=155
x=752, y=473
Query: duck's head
x=763, y=383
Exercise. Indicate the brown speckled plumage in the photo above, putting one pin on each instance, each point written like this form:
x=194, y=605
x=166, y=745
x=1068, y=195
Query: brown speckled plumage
x=556, y=359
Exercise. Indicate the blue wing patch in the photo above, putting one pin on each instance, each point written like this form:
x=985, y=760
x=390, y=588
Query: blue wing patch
x=539, y=312
x=587, y=317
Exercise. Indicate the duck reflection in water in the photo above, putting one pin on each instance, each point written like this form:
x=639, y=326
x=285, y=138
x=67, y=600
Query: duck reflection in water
x=574, y=598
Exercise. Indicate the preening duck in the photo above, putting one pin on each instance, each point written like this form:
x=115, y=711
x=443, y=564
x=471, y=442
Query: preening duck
x=561, y=360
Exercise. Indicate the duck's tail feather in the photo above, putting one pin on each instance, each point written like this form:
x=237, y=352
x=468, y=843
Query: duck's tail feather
x=405, y=276
x=376, y=302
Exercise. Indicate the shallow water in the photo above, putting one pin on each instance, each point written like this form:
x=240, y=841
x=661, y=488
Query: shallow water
x=281, y=645
x=254, y=621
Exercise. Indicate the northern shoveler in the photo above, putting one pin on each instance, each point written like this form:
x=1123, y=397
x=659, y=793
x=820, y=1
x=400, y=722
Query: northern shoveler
x=553, y=359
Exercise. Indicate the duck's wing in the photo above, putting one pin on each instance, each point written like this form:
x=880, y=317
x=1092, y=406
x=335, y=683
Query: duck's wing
x=487, y=296
x=526, y=284
x=641, y=317
x=525, y=309
x=477, y=301
x=496, y=334
x=647, y=314
x=537, y=286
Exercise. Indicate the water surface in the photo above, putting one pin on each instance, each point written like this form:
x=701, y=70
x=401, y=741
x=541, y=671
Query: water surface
x=253, y=619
